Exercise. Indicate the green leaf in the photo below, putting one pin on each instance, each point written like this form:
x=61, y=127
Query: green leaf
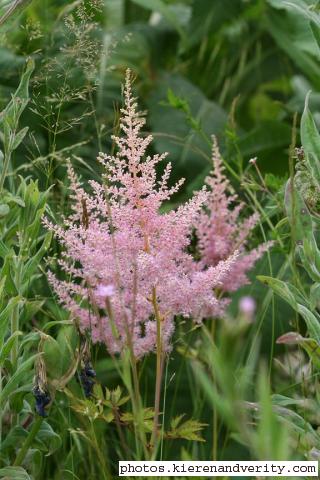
x=291, y=32
x=308, y=344
x=6, y=272
x=5, y=316
x=16, y=473
x=312, y=322
x=4, y=209
x=292, y=295
x=298, y=213
x=14, y=437
x=16, y=378
x=4, y=250
x=34, y=262
x=31, y=307
x=167, y=12
x=188, y=430
x=13, y=8
x=310, y=139
x=6, y=349
x=315, y=296
x=18, y=138
x=285, y=290
x=11, y=114
x=49, y=438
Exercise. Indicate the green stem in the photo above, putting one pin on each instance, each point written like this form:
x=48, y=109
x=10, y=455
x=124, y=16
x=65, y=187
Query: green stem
x=28, y=441
x=159, y=371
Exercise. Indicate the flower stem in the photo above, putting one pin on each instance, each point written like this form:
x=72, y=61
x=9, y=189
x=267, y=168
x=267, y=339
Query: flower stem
x=159, y=371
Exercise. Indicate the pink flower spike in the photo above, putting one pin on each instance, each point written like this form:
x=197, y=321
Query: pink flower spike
x=125, y=248
x=104, y=291
x=220, y=230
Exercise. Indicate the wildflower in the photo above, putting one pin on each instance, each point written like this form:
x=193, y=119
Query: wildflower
x=247, y=306
x=126, y=243
x=220, y=231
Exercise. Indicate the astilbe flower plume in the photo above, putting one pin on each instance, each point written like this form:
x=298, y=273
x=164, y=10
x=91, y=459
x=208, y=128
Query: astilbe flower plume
x=220, y=230
x=128, y=263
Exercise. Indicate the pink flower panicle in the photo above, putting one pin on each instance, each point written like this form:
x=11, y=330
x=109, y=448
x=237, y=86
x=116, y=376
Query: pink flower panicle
x=220, y=230
x=129, y=257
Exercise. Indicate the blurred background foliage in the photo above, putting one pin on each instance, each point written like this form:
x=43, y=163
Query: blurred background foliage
x=238, y=69
x=243, y=66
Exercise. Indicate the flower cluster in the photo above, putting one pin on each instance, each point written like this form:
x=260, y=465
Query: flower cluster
x=128, y=264
x=220, y=231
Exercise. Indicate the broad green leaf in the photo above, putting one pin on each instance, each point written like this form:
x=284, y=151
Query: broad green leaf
x=285, y=290
x=291, y=31
x=16, y=473
x=7, y=272
x=14, y=437
x=311, y=142
x=312, y=322
x=15, y=380
x=5, y=316
x=315, y=296
x=30, y=308
x=310, y=257
x=298, y=213
x=52, y=357
x=49, y=438
x=4, y=209
x=298, y=424
x=6, y=349
x=292, y=295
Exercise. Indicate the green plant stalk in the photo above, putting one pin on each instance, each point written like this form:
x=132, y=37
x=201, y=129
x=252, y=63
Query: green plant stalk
x=28, y=442
x=105, y=471
x=159, y=371
x=214, y=410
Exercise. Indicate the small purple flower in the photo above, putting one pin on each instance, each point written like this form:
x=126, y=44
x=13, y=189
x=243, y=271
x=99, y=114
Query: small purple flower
x=247, y=306
x=104, y=291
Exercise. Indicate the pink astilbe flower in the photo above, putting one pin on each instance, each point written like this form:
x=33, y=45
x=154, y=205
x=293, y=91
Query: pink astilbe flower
x=220, y=231
x=128, y=263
